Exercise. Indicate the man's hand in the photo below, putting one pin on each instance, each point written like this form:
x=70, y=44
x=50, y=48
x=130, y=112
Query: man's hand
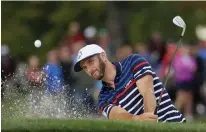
x=149, y=116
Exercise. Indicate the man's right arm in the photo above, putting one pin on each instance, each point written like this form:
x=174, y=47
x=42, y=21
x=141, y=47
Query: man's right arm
x=114, y=112
x=118, y=113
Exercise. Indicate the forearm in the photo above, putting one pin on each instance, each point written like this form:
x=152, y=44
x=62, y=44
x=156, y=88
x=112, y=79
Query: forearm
x=118, y=113
x=149, y=102
x=145, y=86
x=122, y=116
x=129, y=117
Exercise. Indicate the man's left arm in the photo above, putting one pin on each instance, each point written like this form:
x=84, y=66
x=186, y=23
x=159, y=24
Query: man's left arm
x=145, y=87
x=143, y=75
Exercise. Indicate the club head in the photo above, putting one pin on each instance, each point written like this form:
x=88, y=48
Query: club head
x=180, y=23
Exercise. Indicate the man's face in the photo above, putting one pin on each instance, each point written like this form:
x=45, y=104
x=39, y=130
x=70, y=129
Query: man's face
x=53, y=56
x=34, y=62
x=94, y=67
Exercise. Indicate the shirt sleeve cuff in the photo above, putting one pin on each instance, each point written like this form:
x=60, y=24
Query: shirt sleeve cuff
x=107, y=110
x=143, y=74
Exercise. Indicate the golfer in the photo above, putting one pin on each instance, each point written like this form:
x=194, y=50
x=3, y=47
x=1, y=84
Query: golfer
x=130, y=87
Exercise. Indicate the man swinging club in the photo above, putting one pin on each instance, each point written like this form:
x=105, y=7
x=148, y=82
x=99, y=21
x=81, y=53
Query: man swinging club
x=130, y=87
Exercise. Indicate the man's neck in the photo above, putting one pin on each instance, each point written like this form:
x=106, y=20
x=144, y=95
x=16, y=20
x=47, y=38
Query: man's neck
x=109, y=75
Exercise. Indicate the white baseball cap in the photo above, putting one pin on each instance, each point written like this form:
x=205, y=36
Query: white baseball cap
x=85, y=52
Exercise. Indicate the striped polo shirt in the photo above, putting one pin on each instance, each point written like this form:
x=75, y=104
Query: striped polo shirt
x=126, y=94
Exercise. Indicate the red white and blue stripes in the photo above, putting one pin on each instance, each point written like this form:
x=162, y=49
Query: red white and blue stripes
x=127, y=95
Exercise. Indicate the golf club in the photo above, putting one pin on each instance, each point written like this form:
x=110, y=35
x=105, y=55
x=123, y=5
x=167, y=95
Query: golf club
x=180, y=23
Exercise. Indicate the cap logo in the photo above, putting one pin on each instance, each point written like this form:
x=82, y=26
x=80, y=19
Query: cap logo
x=79, y=54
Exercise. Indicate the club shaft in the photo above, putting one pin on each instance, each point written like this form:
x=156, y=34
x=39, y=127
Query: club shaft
x=166, y=79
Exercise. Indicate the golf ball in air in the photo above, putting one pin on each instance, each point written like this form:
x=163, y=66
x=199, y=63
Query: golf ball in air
x=37, y=43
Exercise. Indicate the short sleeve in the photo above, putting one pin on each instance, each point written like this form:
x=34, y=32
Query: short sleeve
x=104, y=106
x=140, y=67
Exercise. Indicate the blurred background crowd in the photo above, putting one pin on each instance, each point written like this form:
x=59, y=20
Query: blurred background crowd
x=32, y=73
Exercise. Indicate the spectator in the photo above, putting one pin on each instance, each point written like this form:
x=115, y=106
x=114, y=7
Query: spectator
x=74, y=35
x=7, y=68
x=75, y=48
x=157, y=48
x=199, y=75
x=123, y=52
x=54, y=99
x=202, y=54
x=105, y=42
x=53, y=73
x=20, y=78
x=68, y=78
x=84, y=100
x=34, y=72
x=142, y=50
x=35, y=79
x=185, y=67
x=170, y=49
x=202, y=50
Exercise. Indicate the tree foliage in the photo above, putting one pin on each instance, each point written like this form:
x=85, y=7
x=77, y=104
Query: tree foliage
x=24, y=22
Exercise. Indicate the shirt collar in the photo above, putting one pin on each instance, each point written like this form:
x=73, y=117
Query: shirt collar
x=118, y=67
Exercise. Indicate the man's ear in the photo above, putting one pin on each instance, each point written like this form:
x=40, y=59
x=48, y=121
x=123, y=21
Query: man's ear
x=103, y=56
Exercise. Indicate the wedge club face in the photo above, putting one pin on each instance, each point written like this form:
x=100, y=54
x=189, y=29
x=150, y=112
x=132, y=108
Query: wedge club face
x=180, y=23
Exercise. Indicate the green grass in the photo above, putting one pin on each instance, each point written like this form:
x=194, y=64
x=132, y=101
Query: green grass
x=85, y=125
